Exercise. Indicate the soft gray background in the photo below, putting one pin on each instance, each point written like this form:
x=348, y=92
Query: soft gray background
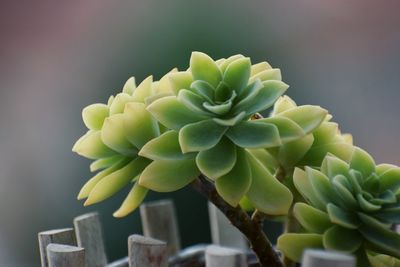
x=58, y=56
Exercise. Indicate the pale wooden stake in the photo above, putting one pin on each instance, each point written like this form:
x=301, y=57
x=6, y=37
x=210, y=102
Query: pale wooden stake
x=217, y=256
x=124, y=262
x=90, y=236
x=321, y=258
x=223, y=233
x=146, y=251
x=64, y=236
x=159, y=221
x=65, y=256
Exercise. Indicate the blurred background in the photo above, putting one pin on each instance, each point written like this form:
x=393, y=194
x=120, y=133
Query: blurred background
x=56, y=57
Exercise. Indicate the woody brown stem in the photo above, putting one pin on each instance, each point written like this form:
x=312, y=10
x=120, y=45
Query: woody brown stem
x=240, y=219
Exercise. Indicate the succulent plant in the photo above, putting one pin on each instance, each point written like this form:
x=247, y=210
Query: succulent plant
x=350, y=207
x=209, y=117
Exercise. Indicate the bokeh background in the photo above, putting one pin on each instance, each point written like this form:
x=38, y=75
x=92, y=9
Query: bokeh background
x=58, y=56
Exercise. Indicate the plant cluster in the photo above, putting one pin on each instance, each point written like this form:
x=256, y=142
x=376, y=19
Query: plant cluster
x=204, y=124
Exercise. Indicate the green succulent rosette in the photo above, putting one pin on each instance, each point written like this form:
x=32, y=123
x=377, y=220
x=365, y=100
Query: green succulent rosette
x=117, y=131
x=350, y=207
x=210, y=124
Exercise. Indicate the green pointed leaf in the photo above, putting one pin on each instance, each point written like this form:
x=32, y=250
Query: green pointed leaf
x=343, y=192
x=254, y=134
x=94, y=115
x=383, y=239
x=332, y=166
x=118, y=105
x=91, y=146
x=139, y=125
x=312, y=219
x=220, y=109
x=282, y=104
x=143, y=90
x=132, y=201
x=169, y=175
x=341, y=217
x=315, y=155
x=322, y=186
x=263, y=98
x=382, y=260
x=193, y=102
x=223, y=65
x=113, y=135
x=288, y=130
x=266, y=193
x=235, y=184
x=129, y=86
x=222, y=92
x=203, y=89
x=164, y=85
x=103, y=163
x=218, y=160
x=293, y=245
x=265, y=158
x=362, y=162
x=292, y=152
x=237, y=74
x=259, y=67
x=342, y=239
x=115, y=181
x=180, y=80
x=325, y=133
x=89, y=185
x=200, y=136
x=204, y=68
x=381, y=168
x=366, y=205
x=249, y=93
x=271, y=74
x=150, y=99
x=307, y=117
x=232, y=120
x=304, y=187
x=164, y=147
x=172, y=113
x=390, y=180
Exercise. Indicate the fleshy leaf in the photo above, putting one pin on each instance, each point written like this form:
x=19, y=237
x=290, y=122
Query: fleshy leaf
x=282, y=104
x=200, y=136
x=271, y=74
x=362, y=162
x=342, y=239
x=288, y=130
x=220, y=109
x=312, y=219
x=223, y=65
x=103, y=163
x=293, y=245
x=325, y=133
x=218, y=160
x=204, y=68
x=303, y=185
x=204, y=89
x=291, y=153
x=266, y=193
x=193, y=102
x=164, y=147
x=341, y=217
x=94, y=115
x=180, y=80
x=344, y=192
x=254, y=134
x=169, y=175
x=237, y=74
x=115, y=181
x=321, y=186
x=118, y=105
x=231, y=121
x=390, y=180
x=366, y=205
x=113, y=135
x=307, y=117
x=332, y=166
x=172, y=113
x=132, y=200
x=91, y=146
x=233, y=185
x=143, y=90
x=259, y=67
x=139, y=125
x=381, y=168
x=129, y=86
x=315, y=155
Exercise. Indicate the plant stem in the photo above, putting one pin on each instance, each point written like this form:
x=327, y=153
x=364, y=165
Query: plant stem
x=240, y=219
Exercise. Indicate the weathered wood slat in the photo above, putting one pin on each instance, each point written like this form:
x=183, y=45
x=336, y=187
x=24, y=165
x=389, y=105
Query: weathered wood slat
x=159, y=222
x=124, y=262
x=146, y=251
x=90, y=236
x=321, y=258
x=65, y=256
x=223, y=233
x=64, y=236
x=217, y=256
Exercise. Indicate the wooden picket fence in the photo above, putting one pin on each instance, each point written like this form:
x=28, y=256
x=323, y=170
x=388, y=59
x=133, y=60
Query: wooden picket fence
x=82, y=245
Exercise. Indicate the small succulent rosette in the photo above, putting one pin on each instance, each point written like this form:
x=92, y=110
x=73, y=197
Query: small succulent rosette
x=212, y=131
x=349, y=207
x=312, y=148
x=117, y=131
